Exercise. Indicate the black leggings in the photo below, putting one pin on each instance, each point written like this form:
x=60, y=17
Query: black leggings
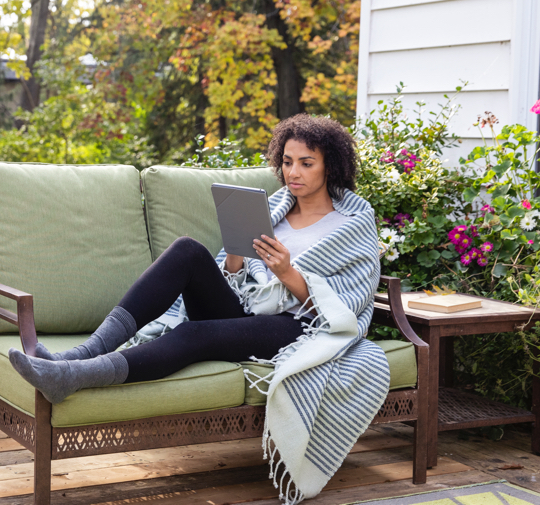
x=218, y=328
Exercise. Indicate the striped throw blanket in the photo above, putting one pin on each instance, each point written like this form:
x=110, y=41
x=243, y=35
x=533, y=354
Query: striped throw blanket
x=329, y=384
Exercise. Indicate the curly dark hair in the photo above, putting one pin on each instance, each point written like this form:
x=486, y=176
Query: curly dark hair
x=335, y=142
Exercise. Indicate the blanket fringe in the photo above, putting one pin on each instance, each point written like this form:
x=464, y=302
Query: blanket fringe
x=286, y=494
x=255, y=383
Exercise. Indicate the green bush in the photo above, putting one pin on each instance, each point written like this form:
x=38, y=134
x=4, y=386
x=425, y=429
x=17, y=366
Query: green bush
x=474, y=229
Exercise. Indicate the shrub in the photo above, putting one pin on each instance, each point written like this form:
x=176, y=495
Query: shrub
x=474, y=229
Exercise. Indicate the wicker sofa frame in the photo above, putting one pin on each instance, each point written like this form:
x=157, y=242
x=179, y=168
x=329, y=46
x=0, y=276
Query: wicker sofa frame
x=48, y=443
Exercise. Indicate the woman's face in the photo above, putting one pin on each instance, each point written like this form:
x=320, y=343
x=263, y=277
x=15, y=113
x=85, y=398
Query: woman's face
x=303, y=169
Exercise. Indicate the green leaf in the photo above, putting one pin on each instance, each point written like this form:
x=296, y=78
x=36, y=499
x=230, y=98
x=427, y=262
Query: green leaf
x=406, y=285
x=515, y=211
x=460, y=267
x=488, y=177
x=437, y=221
x=502, y=168
x=470, y=194
x=507, y=235
x=428, y=258
x=423, y=238
x=499, y=270
x=505, y=220
x=500, y=190
x=447, y=255
x=499, y=203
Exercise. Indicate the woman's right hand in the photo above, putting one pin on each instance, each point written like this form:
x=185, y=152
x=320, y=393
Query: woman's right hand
x=233, y=263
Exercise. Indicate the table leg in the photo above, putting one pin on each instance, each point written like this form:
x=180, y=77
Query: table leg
x=431, y=335
x=446, y=362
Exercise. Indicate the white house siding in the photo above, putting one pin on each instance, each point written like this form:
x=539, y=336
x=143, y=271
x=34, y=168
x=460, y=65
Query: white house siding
x=433, y=45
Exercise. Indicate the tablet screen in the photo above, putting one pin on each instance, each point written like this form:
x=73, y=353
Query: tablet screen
x=243, y=215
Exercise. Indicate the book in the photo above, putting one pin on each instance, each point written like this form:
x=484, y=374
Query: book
x=446, y=304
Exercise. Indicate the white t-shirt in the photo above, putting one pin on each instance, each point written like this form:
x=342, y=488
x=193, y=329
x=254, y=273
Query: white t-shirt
x=297, y=241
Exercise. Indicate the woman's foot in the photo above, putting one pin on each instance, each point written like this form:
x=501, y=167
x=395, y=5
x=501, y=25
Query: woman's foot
x=59, y=379
x=117, y=328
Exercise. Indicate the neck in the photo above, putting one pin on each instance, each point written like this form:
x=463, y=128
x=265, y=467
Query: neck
x=317, y=203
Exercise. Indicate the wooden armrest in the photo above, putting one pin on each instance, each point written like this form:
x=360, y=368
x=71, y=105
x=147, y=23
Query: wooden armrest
x=24, y=319
x=396, y=309
x=402, y=324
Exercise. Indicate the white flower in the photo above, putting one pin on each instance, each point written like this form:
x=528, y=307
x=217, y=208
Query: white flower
x=401, y=238
x=392, y=255
x=393, y=175
x=528, y=223
x=388, y=233
x=534, y=213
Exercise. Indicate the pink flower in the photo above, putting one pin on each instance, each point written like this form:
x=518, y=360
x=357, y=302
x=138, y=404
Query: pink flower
x=531, y=242
x=487, y=208
x=466, y=258
x=455, y=236
x=408, y=170
x=475, y=253
x=487, y=247
x=461, y=228
x=474, y=231
x=526, y=204
x=388, y=157
x=536, y=107
x=404, y=152
x=401, y=218
x=465, y=241
x=482, y=261
x=460, y=249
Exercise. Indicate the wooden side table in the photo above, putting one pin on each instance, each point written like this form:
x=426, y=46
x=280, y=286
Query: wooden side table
x=451, y=409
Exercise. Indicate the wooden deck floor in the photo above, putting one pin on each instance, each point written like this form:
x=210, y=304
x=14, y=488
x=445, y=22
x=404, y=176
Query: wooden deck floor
x=234, y=472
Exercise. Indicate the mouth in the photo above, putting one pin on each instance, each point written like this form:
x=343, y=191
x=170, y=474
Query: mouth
x=295, y=185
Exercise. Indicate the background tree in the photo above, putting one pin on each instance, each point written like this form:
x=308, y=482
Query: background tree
x=30, y=95
x=167, y=71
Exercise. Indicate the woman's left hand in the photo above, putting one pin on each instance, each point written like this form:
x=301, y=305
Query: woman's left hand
x=274, y=254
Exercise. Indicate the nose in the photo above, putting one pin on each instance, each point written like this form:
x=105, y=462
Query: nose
x=294, y=169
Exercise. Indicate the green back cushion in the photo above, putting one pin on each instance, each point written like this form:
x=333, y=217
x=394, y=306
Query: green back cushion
x=198, y=387
x=72, y=236
x=401, y=360
x=179, y=202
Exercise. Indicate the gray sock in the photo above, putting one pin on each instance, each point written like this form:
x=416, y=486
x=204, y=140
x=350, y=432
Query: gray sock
x=59, y=379
x=117, y=328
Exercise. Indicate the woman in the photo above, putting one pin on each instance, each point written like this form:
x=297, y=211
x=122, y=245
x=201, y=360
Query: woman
x=315, y=282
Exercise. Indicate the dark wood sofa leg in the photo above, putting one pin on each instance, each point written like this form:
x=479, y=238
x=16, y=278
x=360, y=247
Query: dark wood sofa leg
x=43, y=451
x=420, y=452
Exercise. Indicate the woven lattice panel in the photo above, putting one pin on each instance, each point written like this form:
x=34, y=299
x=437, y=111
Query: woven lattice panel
x=467, y=410
x=17, y=425
x=168, y=431
x=399, y=406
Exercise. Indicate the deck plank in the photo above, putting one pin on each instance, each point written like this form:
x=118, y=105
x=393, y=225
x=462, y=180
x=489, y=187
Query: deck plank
x=263, y=490
x=8, y=444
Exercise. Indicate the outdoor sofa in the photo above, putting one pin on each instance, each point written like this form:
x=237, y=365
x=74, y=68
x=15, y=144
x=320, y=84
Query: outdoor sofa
x=72, y=241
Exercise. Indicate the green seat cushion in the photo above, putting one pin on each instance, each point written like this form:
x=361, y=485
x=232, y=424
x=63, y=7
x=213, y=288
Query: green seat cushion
x=72, y=236
x=179, y=202
x=202, y=386
x=401, y=359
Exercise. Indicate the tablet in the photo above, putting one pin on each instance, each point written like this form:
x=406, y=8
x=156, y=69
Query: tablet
x=243, y=215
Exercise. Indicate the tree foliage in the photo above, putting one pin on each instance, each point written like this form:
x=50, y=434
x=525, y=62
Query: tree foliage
x=171, y=70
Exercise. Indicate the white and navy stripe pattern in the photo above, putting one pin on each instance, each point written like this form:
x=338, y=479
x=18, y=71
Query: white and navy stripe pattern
x=338, y=400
